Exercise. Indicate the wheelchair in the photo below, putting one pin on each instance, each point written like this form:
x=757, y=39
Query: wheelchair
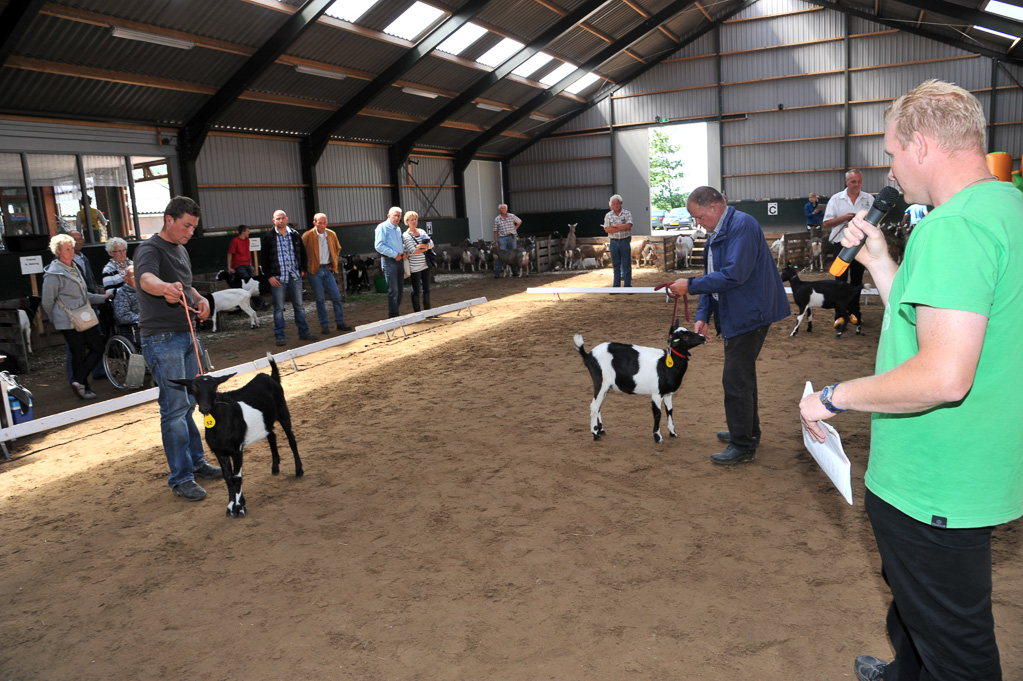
x=123, y=361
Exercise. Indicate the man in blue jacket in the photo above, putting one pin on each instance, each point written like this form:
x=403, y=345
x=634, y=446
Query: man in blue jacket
x=742, y=285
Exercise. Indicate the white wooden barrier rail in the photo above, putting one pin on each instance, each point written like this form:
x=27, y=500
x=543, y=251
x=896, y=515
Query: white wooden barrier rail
x=638, y=289
x=136, y=398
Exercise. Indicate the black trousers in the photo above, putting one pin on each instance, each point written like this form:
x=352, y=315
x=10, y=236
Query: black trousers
x=940, y=621
x=420, y=283
x=86, y=352
x=853, y=275
x=739, y=380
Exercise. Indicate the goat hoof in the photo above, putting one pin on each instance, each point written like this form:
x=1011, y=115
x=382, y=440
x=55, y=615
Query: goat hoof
x=658, y=438
x=596, y=437
x=299, y=473
x=672, y=434
x=275, y=471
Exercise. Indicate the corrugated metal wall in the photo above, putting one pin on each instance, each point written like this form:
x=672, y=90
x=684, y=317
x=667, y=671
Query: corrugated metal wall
x=243, y=180
x=361, y=191
x=432, y=192
x=784, y=66
x=580, y=179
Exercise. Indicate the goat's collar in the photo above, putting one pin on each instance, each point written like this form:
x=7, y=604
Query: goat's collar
x=683, y=355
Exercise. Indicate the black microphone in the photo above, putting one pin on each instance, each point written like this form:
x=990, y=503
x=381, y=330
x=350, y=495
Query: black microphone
x=883, y=203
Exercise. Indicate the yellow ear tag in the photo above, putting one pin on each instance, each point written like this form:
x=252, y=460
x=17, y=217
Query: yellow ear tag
x=210, y=421
x=668, y=361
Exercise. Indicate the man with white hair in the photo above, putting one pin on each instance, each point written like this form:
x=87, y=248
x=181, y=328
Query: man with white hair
x=945, y=443
x=506, y=226
x=618, y=225
x=387, y=242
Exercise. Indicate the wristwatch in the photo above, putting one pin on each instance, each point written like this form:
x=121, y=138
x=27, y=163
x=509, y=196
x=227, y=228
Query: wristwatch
x=826, y=394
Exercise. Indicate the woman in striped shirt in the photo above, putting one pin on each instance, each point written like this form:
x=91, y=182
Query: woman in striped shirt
x=416, y=244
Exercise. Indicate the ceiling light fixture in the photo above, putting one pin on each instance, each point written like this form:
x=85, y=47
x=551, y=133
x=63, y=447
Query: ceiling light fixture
x=143, y=37
x=322, y=73
x=489, y=107
x=538, y=117
x=419, y=93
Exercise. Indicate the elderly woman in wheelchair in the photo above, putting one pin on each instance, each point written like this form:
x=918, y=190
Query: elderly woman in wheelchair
x=122, y=360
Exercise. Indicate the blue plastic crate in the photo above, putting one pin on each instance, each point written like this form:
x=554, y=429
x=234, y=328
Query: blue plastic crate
x=17, y=416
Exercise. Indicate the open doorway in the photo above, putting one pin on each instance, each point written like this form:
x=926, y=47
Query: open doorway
x=678, y=164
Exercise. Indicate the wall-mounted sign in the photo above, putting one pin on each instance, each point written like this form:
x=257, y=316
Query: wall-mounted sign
x=31, y=264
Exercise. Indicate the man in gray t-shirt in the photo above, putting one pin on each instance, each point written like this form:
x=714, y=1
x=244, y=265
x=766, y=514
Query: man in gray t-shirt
x=164, y=274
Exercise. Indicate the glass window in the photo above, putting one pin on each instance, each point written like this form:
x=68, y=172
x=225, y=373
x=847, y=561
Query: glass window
x=107, y=209
x=532, y=64
x=557, y=74
x=349, y=10
x=15, y=218
x=152, y=192
x=56, y=194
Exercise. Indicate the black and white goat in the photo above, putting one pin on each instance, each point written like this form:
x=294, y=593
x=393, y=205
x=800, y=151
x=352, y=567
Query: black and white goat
x=828, y=293
x=639, y=370
x=237, y=418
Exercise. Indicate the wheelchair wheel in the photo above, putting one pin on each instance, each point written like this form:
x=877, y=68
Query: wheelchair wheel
x=116, y=357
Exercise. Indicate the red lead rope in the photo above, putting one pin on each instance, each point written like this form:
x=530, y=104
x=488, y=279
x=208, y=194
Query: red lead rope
x=195, y=343
x=671, y=294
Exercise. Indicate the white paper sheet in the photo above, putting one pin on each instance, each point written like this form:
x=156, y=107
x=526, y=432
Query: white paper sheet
x=829, y=454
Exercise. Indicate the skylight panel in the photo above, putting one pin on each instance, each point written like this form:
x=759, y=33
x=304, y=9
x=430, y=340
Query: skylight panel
x=414, y=21
x=349, y=10
x=499, y=53
x=994, y=32
x=531, y=65
x=557, y=74
x=583, y=83
x=1005, y=10
x=462, y=38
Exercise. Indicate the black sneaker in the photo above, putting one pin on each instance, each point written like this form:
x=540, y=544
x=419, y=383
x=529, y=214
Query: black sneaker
x=280, y=342
x=308, y=337
x=189, y=490
x=324, y=330
x=344, y=327
x=869, y=668
x=208, y=472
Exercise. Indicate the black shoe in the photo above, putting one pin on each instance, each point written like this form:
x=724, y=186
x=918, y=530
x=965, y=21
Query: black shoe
x=732, y=454
x=344, y=327
x=324, y=330
x=308, y=336
x=869, y=668
x=189, y=490
x=281, y=342
x=208, y=472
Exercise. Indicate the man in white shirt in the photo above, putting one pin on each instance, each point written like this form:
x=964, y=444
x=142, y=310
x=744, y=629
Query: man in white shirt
x=842, y=207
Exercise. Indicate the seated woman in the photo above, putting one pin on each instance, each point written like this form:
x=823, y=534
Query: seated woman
x=126, y=307
x=63, y=291
x=113, y=271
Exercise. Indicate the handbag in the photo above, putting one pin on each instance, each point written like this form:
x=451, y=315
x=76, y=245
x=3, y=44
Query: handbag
x=408, y=268
x=82, y=318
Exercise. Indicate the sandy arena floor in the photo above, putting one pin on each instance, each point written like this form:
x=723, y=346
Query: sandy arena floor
x=457, y=521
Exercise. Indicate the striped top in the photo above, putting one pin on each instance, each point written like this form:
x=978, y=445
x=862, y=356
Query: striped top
x=416, y=263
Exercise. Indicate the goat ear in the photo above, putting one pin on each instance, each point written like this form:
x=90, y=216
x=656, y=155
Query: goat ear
x=187, y=382
x=225, y=377
x=674, y=324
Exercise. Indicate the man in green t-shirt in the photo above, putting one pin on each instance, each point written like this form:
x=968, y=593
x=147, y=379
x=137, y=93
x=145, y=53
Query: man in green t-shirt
x=946, y=450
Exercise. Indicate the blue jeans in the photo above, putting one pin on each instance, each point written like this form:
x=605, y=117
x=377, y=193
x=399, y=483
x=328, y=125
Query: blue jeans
x=394, y=273
x=244, y=272
x=621, y=261
x=324, y=279
x=170, y=356
x=506, y=242
x=295, y=287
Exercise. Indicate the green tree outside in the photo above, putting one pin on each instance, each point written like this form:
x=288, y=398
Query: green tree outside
x=665, y=173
